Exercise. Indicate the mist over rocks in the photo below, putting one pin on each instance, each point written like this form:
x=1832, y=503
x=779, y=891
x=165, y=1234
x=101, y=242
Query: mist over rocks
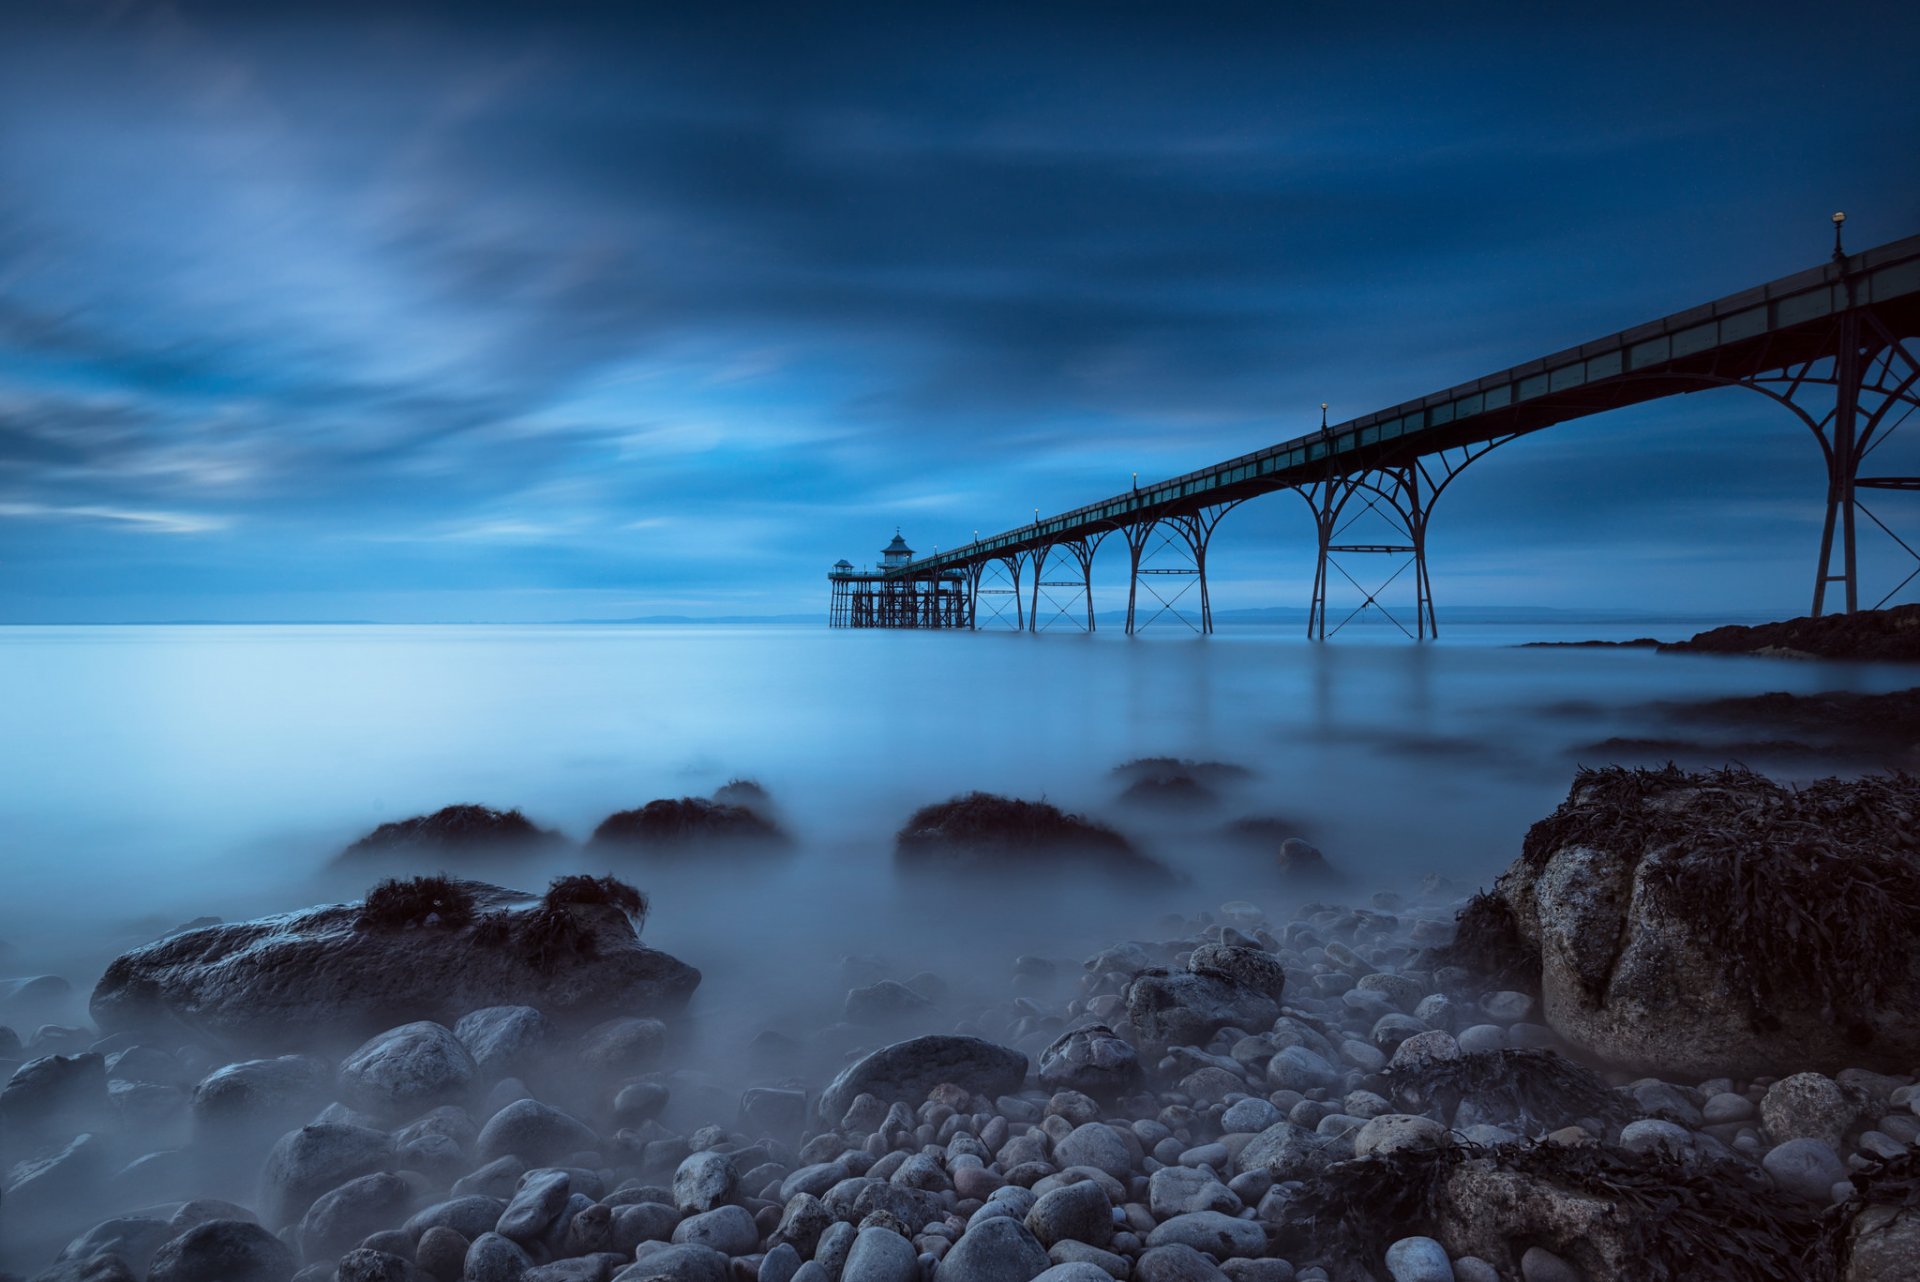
x=980, y=831
x=305, y=977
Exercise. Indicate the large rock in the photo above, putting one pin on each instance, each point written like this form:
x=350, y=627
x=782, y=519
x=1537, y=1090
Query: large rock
x=998, y=1249
x=1700, y=925
x=1187, y=1009
x=908, y=1070
x=306, y=976
x=982, y=832
x=505, y=1041
x=1288, y=1151
x=315, y=1159
x=223, y=1251
x=1093, y=1060
x=343, y=1218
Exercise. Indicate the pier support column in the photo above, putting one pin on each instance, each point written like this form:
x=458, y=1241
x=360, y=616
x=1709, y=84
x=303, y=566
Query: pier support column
x=1166, y=550
x=1080, y=553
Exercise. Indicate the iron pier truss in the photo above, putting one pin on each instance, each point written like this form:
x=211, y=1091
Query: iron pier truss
x=1838, y=346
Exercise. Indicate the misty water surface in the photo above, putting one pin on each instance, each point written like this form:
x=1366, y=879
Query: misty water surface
x=152, y=775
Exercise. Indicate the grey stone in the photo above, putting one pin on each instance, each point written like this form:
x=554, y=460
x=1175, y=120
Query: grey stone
x=1650, y=1134
x=729, y=1230
x=1187, y=1009
x=1296, y=1068
x=1419, y=1259
x=999, y=1249
x=1094, y=1144
x=368, y=1265
x=1807, y=1168
x=1288, y=1151
x=406, y=1070
x=505, y=1041
x=779, y=1264
x=1176, y=1262
x=687, y=1263
x=223, y=1251
x=493, y=1258
x=1075, y=1271
x=1093, y=1060
x=1181, y=1190
x=340, y=1219
x=1221, y=1236
x=624, y=1044
x=314, y=1159
x=1251, y=968
x=1542, y=1265
x=880, y=1255
x=1395, y=1132
x=533, y=1132
x=537, y=1203
x=1808, y=1106
x=441, y=1254
x=469, y=1215
x=907, y=1070
x=704, y=1181
x=1081, y=1212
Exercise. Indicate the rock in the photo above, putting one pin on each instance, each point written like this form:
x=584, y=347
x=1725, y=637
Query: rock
x=1471, y=1268
x=1175, y=1262
x=1883, y=1242
x=55, y=1091
x=1248, y=967
x=1890, y=635
x=469, y=1215
x=406, y=1070
x=1394, y=1132
x=1249, y=1115
x=1221, y=1236
x=729, y=1230
x=999, y=1249
x=1807, y=1168
x=441, y=1254
x=1302, y=866
x=244, y=1100
x=906, y=1071
x=1507, y=1007
x=458, y=831
x=1182, y=1190
x=1075, y=1271
x=982, y=832
x=1623, y=897
x=1092, y=1060
x=313, y=1160
x=223, y=1251
x=534, y=1132
x=1291, y=1152
x=780, y=1264
x=773, y=1111
x=1726, y=1106
x=132, y=1238
x=55, y=1187
x=1419, y=1259
x=537, y=1203
x=493, y=1258
x=881, y=1255
x=689, y=1263
x=670, y=826
x=1094, y=1144
x=704, y=1181
x=1649, y=1134
x=1186, y=1010
x=505, y=1041
x=340, y=1219
x=1808, y=1106
x=367, y=1265
x=1265, y=1270
x=1079, y=1212
x=303, y=976
x=93, y=1268
x=1542, y=1265
x=624, y=1045
x=1296, y=1068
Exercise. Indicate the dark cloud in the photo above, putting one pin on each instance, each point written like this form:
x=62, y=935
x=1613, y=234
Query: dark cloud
x=686, y=301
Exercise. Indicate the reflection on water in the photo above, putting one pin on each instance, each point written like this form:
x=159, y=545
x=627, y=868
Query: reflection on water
x=157, y=774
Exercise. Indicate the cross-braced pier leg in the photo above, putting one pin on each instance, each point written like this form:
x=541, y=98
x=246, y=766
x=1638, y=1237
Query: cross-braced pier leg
x=996, y=586
x=1400, y=496
x=1171, y=550
x=1063, y=595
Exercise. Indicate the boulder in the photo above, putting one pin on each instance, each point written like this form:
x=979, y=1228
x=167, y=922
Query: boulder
x=533, y=1132
x=460, y=831
x=405, y=1070
x=315, y=1159
x=981, y=831
x=256, y=1096
x=305, y=976
x=341, y=1219
x=1187, y=1009
x=997, y=1249
x=505, y=1041
x=1692, y=925
x=906, y=1071
x=1288, y=1151
x=679, y=825
x=223, y=1251
x=1093, y=1060
x=1250, y=967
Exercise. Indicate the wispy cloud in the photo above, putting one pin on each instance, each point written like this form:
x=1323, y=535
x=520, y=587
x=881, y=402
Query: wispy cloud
x=125, y=519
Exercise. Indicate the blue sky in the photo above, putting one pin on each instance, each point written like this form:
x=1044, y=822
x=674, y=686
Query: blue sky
x=444, y=312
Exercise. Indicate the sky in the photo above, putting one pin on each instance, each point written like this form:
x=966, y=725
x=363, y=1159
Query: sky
x=444, y=312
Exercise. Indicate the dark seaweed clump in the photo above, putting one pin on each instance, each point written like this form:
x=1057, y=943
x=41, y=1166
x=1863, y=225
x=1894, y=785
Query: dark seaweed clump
x=467, y=829
x=1005, y=829
x=678, y=823
x=1802, y=889
x=1487, y=942
x=1681, y=1218
x=1148, y=768
x=745, y=793
x=580, y=888
x=552, y=933
x=417, y=902
x=1536, y=1091
x=1892, y=1183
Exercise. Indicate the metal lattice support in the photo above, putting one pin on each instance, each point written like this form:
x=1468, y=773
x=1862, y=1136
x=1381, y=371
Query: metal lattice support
x=1072, y=592
x=1403, y=496
x=1171, y=549
x=996, y=583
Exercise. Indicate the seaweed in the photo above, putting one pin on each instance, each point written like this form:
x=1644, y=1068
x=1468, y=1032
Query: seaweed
x=1889, y=1182
x=1488, y=943
x=437, y=901
x=1801, y=889
x=1536, y=1090
x=1005, y=829
x=580, y=888
x=1694, y=1217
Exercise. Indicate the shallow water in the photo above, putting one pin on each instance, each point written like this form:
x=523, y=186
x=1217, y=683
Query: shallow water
x=155, y=774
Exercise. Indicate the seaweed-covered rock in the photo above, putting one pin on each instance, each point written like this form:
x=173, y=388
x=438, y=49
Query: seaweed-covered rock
x=680, y=824
x=1691, y=925
x=1883, y=636
x=1529, y=1091
x=305, y=976
x=983, y=830
x=454, y=831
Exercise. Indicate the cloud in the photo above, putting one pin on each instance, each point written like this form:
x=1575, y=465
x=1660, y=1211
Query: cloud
x=117, y=518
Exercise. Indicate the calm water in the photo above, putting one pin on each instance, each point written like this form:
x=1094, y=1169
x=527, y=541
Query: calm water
x=149, y=775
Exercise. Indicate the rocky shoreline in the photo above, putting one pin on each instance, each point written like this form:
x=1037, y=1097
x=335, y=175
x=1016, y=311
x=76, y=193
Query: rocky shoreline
x=1409, y=1089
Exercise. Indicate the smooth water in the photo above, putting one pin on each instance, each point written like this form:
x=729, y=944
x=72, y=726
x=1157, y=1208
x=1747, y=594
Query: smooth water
x=149, y=775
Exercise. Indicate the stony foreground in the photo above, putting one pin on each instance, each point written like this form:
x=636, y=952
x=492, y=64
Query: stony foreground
x=1243, y=1099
